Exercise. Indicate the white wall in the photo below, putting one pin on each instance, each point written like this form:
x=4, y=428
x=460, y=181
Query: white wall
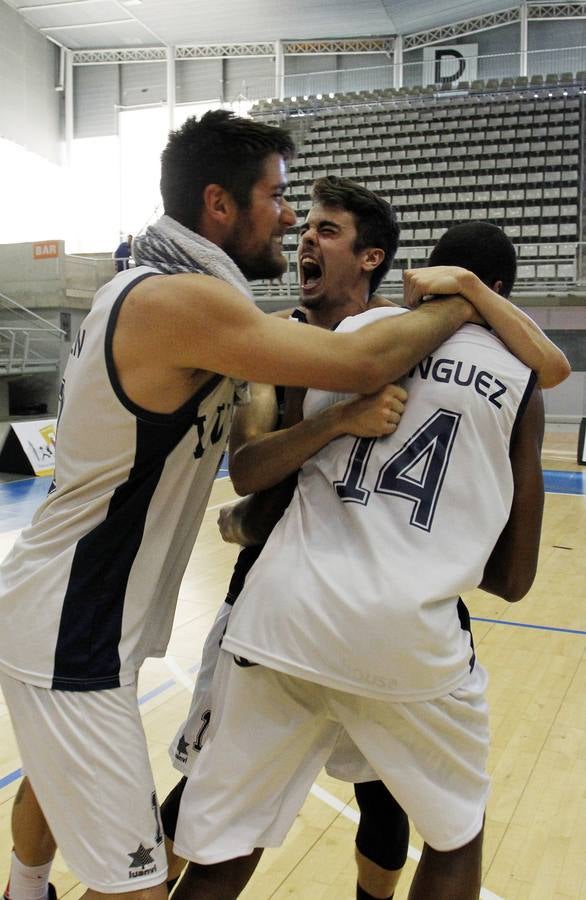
x=30, y=107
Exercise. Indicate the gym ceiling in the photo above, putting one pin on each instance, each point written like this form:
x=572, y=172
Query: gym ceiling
x=106, y=24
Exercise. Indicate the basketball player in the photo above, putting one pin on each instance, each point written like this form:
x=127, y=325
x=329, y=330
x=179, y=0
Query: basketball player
x=349, y=215
x=371, y=636
x=90, y=587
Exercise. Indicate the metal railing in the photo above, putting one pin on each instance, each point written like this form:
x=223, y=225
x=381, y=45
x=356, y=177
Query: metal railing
x=371, y=78
x=535, y=272
x=29, y=343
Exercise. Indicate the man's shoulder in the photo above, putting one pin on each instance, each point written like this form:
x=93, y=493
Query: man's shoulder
x=369, y=316
x=191, y=298
x=181, y=285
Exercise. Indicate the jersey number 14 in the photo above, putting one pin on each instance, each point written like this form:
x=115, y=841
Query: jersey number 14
x=415, y=472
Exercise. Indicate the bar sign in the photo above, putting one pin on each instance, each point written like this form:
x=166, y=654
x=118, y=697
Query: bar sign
x=45, y=250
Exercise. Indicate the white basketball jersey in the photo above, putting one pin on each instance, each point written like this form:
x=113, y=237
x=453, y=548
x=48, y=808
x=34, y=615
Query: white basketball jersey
x=90, y=587
x=358, y=585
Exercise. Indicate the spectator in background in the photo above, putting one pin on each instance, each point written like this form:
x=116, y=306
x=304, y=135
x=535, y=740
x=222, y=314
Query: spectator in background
x=122, y=254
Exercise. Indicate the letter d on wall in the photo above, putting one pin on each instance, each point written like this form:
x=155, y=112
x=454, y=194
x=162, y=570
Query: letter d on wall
x=448, y=65
x=441, y=70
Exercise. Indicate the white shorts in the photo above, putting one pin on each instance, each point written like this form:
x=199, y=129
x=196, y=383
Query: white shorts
x=185, y=746
x=346, y=762
x=276, y=732
x=86, y=757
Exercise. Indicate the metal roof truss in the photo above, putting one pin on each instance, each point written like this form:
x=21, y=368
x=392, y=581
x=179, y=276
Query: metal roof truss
x=332, y=46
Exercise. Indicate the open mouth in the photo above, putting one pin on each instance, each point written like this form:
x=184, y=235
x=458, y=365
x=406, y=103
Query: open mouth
x=310, y=272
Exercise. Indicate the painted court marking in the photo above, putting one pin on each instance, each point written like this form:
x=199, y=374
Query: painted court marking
x=528, y=625
x=181, y=676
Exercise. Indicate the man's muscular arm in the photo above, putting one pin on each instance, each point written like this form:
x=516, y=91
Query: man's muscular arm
x=170, y=326
x=512, y=565
x=516, y=330
x=264, y=459
x=259, y=460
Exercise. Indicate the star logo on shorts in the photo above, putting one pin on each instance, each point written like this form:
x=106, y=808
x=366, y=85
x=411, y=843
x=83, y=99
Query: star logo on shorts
x=141, y=858
x=182, y=746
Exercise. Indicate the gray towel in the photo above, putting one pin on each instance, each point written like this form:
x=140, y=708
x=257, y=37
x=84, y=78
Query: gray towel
x=171, y=248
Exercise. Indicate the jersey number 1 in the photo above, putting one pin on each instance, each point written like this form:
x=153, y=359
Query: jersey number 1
x=415, y=472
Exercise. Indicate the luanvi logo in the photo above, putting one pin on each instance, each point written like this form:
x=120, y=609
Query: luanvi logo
x=142, y=862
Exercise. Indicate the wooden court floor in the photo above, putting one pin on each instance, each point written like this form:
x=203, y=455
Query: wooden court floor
x=535, y=652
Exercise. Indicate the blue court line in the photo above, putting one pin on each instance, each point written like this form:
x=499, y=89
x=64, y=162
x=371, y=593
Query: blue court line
x=558, y=482
x=156, y=691
x=20, y=499
x=8, y=779
x=528, y=625
x=223, y=470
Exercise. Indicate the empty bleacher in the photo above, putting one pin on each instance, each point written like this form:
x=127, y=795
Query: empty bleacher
x=508, y=154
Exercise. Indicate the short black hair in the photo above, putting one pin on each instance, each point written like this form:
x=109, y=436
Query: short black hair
x=480, y=247
x=376, y=220
x=220, y=148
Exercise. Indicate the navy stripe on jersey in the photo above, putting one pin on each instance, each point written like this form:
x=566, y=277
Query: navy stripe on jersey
x=138, y=411
x=86, y=654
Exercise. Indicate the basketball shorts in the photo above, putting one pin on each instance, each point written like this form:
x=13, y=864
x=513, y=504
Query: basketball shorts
x=86, y=758
x=345, y=763
x=275, y=733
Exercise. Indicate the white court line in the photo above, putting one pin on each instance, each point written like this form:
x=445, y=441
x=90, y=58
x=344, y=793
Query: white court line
x=351, y=814
x=316, y=790
x=181, y=676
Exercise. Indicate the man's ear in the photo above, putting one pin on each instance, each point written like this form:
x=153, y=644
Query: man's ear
x=372, y=257
x=219, y=204
x=498, y=287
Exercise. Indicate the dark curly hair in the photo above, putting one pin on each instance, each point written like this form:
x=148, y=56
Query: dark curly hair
x=220, y=148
